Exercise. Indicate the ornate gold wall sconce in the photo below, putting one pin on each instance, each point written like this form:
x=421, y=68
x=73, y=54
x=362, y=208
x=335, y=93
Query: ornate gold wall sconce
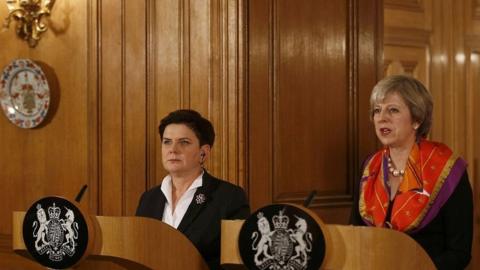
x=28, y=14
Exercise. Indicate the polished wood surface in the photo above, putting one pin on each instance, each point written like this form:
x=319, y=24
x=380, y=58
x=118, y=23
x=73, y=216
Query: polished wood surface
x=349, y=247
x=309, y=73
x=145, y=241
x=52, y=158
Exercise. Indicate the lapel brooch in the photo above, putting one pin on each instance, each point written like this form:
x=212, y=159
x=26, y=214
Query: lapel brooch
x=200, y=198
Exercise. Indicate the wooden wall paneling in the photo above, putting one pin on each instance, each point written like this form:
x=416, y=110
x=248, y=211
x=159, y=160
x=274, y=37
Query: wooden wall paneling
x=369, y=70
x=168, y=70
x=52, y=158
x=459, y=77
x=309, y=81
x=111, y=102
x=475, y=9
x=411, y=60
x=122, y=106
x=439, y=61
x=407, y=38
x=410, y=5
x=365, y=69
x=198, y=68
x=227, y=63
x=216, y=91
x=414, y=14
x=92, y=107
x=260, y=126
x=237, y=88
x=447, y=82
x=452, y=77
x=135, y=103
x=300, y=90
x=472, y=16
x=200, y=92
x=473, y=133
x=151, y=132
x=206, y=95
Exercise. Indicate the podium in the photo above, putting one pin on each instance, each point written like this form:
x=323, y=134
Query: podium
x=347, y=247
x=145, y=242
x=287, y=234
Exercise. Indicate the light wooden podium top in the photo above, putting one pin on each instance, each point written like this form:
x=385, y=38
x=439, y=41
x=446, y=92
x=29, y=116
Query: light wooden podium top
x=348, y=247
x=145, y=241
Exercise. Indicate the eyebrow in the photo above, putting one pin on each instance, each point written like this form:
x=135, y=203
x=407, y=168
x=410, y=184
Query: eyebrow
x=182, y=138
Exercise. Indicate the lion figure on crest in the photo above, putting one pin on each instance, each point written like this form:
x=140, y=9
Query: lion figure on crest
x=265, y=239
x=42, y=229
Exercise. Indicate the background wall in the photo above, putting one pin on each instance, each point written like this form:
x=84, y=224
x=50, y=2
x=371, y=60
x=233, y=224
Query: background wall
x=312, y=65
x=285, y=83
x=438, y=42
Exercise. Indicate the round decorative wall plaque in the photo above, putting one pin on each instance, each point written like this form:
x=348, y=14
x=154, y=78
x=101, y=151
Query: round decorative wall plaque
x=24, y=93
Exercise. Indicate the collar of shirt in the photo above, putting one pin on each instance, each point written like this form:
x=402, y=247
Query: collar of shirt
x=174, y=218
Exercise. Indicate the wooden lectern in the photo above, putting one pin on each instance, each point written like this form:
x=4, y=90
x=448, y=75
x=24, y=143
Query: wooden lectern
x=139, y=241
x=348, y=247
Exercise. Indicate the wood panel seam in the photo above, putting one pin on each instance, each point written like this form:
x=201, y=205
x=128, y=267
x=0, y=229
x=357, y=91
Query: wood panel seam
x=150, y=96
x=122, y=108
x=406, y=37
x=408, y=5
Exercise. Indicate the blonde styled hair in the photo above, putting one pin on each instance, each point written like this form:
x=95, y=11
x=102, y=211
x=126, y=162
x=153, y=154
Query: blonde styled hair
x=418, y=99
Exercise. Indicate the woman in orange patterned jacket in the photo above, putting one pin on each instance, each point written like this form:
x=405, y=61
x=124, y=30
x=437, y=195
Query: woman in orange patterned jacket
x=414, y=185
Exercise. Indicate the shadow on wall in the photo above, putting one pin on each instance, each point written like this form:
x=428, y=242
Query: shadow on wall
x=54, y=93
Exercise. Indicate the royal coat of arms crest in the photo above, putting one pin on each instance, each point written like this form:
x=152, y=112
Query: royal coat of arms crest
x=54, y=235
x=282, y=248
x=282, y=237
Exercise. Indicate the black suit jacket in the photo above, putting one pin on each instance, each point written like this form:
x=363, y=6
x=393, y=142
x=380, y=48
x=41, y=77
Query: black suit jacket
x=201, y=223
x=448, y=237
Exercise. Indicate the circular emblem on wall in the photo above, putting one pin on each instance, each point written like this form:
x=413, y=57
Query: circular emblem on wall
x=24, y=93
x=281, y=237
x=55, y=233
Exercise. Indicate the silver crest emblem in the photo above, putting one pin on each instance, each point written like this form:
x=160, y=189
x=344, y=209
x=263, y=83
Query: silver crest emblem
x=282, y=248
x=55, y=236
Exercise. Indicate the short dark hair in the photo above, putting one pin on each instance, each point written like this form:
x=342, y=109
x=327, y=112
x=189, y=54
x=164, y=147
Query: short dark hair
x=202, y=128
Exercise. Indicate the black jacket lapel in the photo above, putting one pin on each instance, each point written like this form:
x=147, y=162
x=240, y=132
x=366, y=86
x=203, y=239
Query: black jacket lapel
x=200, y=200
x=154, y=205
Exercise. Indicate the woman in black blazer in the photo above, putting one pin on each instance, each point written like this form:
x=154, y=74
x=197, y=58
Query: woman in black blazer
x=414, y=185
x=190, y=199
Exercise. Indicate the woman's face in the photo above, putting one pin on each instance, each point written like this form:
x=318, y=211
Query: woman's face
x=181, y=151
x=393, y=122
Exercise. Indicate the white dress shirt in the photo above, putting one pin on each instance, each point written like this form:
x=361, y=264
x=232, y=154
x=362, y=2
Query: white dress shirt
x=173, y=218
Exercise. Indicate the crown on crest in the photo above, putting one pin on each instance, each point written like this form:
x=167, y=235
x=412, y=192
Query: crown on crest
x=280, y=221
x=54, y=212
